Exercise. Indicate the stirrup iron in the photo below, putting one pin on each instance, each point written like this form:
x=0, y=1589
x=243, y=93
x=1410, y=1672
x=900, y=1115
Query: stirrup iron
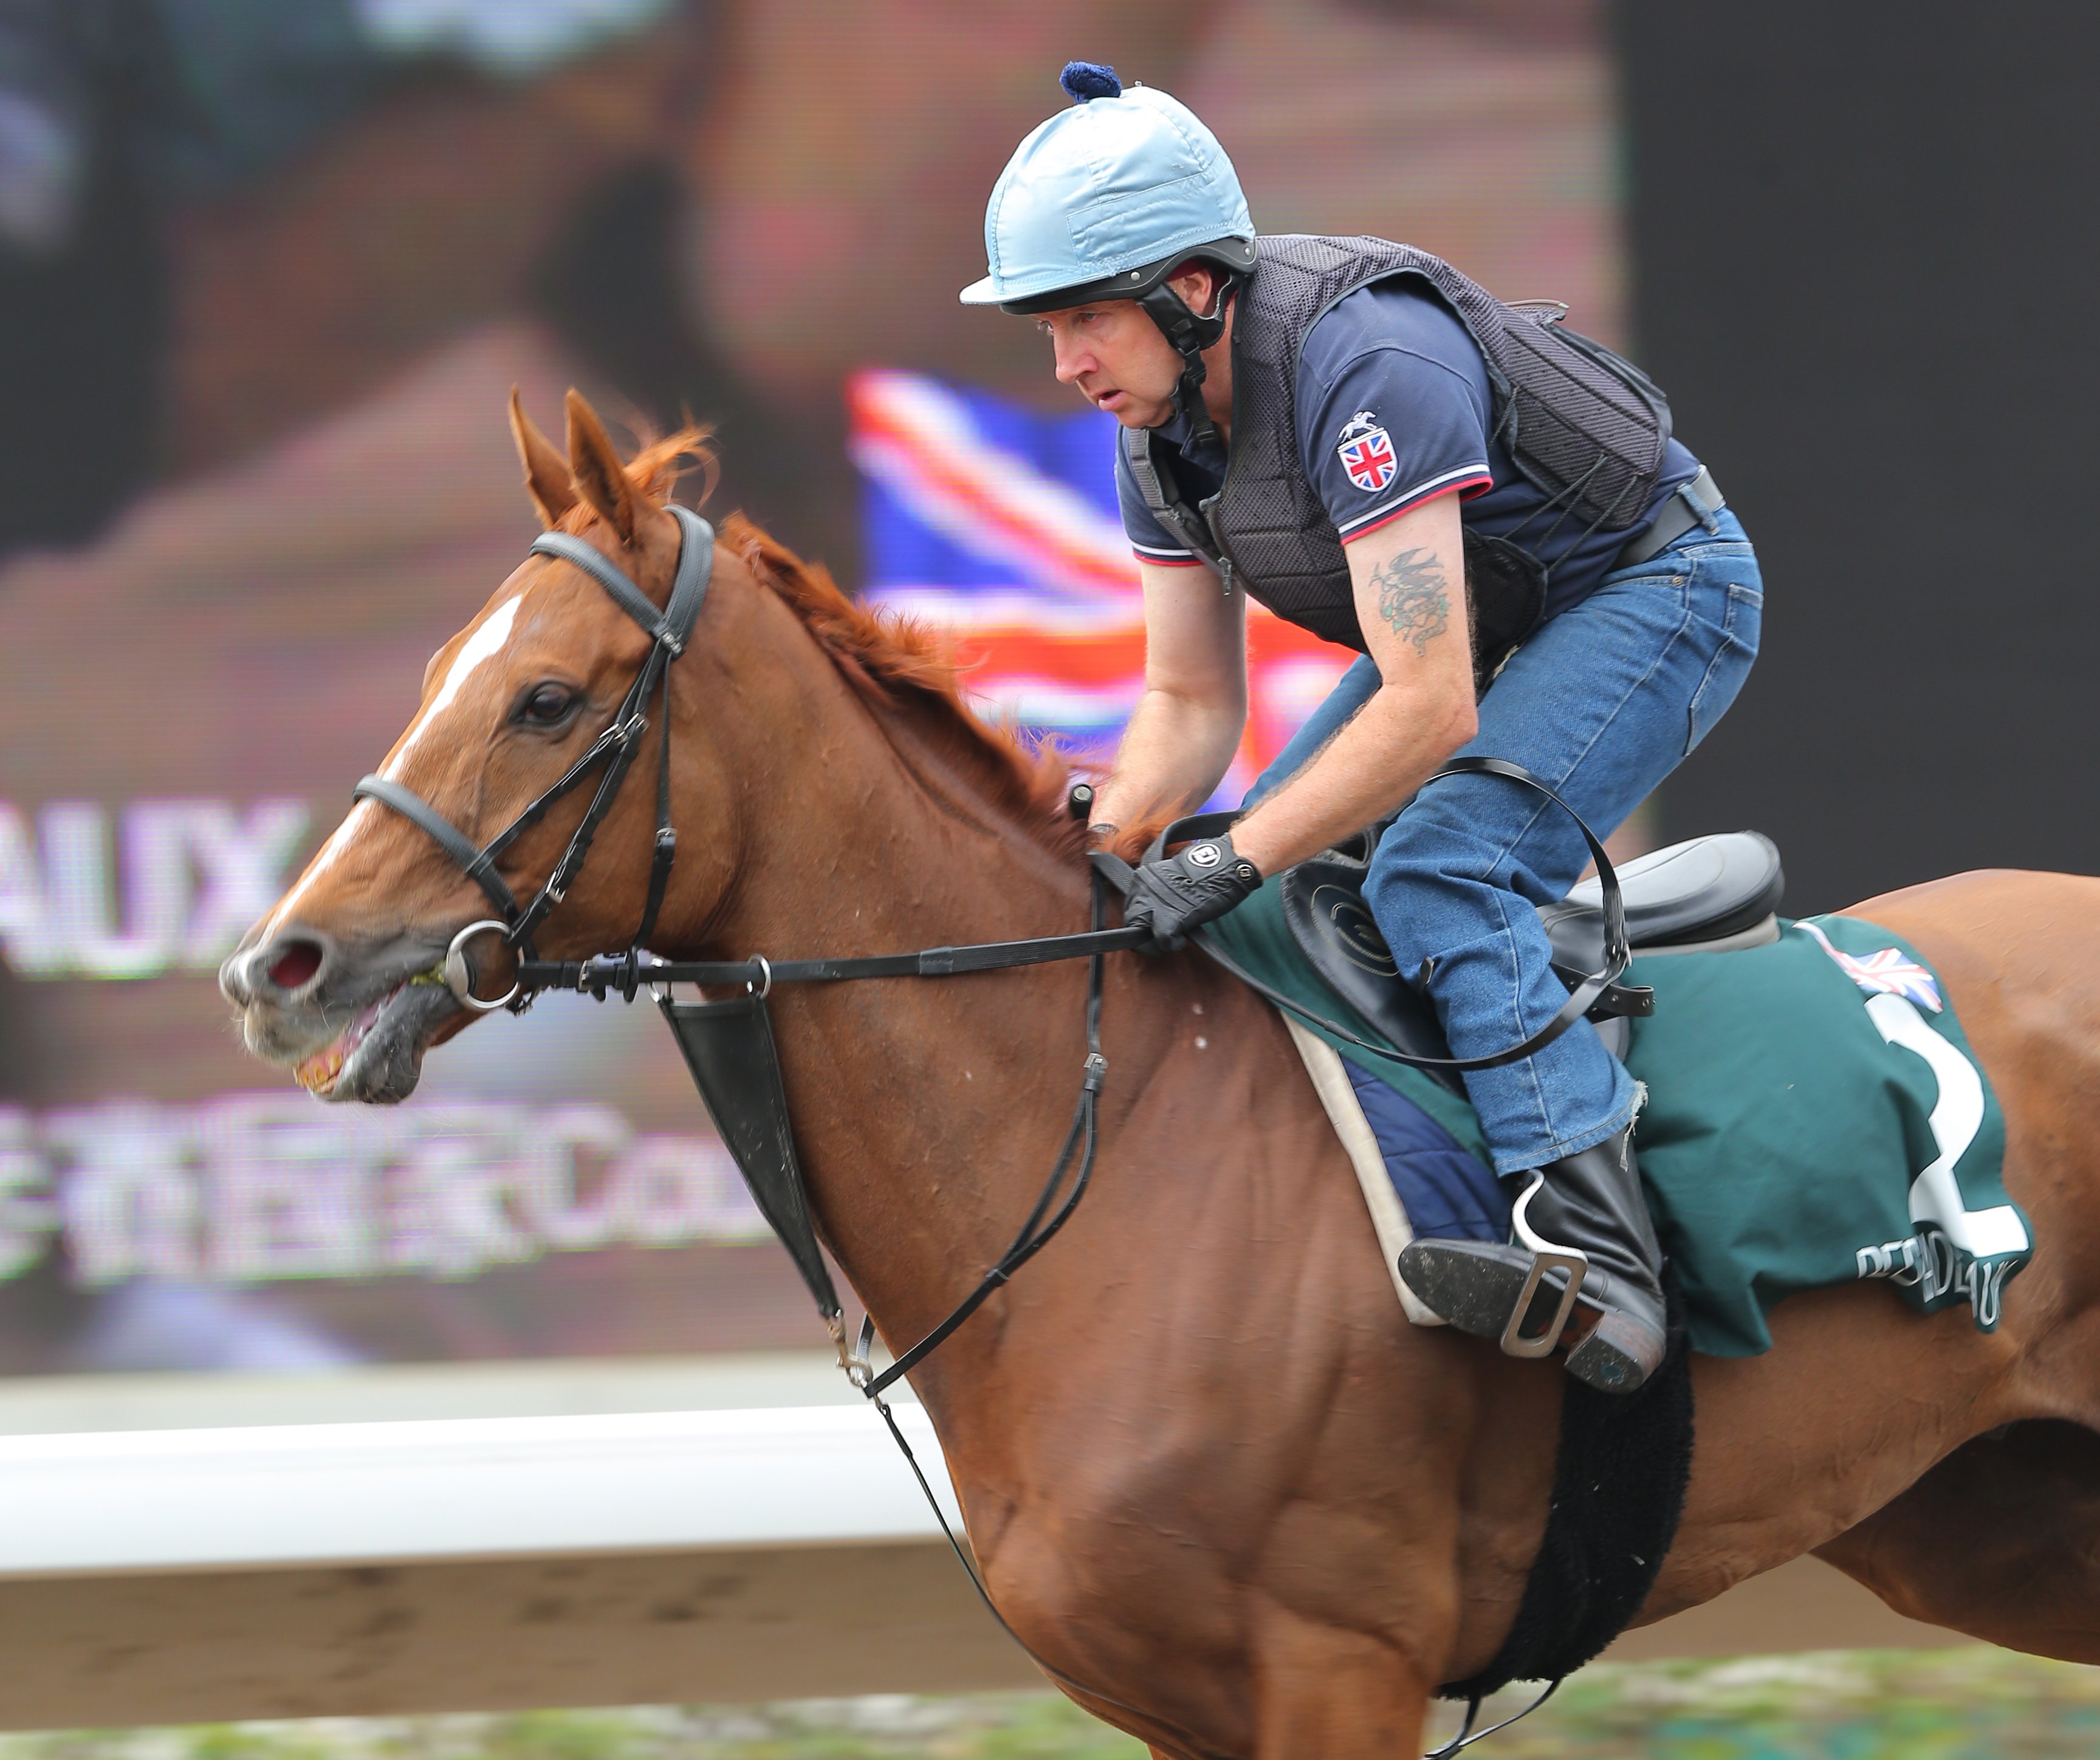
x=1547, y=1256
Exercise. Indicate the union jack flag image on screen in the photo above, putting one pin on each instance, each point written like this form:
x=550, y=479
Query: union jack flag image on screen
x=1369, y=459
x=1000, y=525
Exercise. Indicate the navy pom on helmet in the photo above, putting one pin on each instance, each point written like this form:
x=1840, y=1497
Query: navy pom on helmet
x=1083, y=80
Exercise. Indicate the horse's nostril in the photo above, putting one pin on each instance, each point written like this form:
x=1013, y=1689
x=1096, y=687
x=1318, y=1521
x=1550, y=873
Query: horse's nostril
x=296, y=965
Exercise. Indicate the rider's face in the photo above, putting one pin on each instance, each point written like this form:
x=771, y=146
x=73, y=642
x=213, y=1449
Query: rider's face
x=1115, y=355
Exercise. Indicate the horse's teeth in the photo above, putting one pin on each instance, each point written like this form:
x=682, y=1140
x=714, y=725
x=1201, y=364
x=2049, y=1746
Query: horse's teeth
x=319, y=1070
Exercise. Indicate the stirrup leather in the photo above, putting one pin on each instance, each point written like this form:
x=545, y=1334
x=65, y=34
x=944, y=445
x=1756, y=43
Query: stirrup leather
x=1547, y=1256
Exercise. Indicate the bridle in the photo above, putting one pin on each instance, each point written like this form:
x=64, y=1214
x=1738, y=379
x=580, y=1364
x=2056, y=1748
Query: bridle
x=613, y=750
x=729, y=1044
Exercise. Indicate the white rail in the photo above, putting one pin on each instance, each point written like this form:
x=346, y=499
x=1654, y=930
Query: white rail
x=269, y=1497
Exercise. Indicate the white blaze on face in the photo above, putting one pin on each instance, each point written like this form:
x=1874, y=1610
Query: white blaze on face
x=489, y=640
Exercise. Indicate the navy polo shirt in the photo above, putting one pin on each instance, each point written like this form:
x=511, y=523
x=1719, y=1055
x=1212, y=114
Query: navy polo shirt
x=1394, y=409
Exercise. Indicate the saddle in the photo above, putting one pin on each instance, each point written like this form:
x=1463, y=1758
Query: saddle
x=1707, y=894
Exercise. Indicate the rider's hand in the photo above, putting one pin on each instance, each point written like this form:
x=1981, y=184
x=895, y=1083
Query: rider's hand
x=1174, y=894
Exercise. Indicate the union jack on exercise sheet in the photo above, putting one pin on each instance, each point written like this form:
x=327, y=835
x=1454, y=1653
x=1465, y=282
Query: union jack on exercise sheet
x=1001, y=525
x=1889, y=971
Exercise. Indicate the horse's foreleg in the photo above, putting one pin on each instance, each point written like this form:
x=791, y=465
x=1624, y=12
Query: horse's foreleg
x=1324, y=1692
x=2000, y=1541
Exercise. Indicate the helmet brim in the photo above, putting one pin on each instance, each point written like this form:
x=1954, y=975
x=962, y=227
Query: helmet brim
x=1235, y=254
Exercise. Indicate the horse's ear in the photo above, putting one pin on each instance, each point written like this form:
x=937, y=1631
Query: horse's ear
x=602, y=479
x=547, y=479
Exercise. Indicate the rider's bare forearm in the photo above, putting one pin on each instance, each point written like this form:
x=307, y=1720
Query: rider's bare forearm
x=1391, y=747
x=1174, y=754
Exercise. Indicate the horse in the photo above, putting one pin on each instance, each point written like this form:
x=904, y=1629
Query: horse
x=1227, y=1495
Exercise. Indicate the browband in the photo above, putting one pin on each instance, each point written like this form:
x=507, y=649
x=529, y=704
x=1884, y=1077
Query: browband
x=689, y=589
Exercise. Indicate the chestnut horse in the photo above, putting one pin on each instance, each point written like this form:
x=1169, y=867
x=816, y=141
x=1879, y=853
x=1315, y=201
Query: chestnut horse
x=1209, y=1470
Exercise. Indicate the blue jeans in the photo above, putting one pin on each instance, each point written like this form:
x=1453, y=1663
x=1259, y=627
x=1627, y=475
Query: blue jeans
x=1601, y=704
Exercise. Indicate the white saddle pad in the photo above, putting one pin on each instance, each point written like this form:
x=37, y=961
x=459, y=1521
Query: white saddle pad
x=1330, y=1082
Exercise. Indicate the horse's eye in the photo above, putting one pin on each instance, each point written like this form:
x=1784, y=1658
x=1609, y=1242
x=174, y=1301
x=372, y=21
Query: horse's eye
x=548, y=704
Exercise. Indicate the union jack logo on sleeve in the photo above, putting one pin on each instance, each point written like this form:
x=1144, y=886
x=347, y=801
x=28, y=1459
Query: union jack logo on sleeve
x=1366, y=453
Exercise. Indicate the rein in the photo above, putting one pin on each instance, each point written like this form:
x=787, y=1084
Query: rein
x=729, y=1045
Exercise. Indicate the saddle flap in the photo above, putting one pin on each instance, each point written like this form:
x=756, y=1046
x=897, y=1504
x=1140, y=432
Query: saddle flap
x=1700, y=890
x=1324, y=909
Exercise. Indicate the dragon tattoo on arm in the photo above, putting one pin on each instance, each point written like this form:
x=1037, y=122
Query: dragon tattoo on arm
x=1412, y=598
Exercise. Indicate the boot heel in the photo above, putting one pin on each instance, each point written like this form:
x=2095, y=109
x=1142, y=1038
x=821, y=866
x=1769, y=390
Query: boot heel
x=1619, y=1355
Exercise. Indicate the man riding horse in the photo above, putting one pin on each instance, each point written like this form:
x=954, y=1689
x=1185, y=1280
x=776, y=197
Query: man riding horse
x=1490, y=511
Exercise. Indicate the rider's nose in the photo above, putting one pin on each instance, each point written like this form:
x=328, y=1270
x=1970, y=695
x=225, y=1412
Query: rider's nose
x=279, y=969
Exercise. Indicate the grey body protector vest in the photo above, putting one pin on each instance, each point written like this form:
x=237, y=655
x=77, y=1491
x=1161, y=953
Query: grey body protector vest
x=1589, y=429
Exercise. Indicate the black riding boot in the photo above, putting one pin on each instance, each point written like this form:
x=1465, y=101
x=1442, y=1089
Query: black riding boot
x=1589, y=1204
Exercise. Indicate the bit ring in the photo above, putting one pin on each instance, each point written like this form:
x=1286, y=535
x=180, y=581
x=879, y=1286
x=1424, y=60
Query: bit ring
x=459, y=980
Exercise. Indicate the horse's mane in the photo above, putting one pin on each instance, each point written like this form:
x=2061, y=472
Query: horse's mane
x=900, y=664
x=895, y=663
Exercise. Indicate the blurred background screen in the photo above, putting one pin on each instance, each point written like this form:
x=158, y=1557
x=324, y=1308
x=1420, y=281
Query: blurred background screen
x=268, y=271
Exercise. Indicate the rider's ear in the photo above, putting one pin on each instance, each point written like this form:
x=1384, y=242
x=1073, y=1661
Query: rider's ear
x=547, y=479
x=600, y=477
x=1196, y=283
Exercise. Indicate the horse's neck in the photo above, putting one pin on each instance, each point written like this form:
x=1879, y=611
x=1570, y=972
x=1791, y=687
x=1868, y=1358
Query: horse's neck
x=926, y=1112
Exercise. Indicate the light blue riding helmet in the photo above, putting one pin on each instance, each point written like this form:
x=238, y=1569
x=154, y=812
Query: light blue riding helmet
x=1106, y=199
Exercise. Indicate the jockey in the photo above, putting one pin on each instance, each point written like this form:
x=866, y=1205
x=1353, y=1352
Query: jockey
x=1490, y=511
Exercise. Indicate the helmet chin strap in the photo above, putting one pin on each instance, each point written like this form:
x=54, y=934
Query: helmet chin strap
x=1189, y=336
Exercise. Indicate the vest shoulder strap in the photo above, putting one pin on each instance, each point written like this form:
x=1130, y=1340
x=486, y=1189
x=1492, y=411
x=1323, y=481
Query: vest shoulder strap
x=1144, y=468
x=1162, y=495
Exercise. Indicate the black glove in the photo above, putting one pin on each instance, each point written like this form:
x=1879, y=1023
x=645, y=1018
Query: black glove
x=1174, y=894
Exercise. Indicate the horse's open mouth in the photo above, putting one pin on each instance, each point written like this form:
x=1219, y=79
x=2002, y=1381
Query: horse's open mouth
x=382, y=1043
